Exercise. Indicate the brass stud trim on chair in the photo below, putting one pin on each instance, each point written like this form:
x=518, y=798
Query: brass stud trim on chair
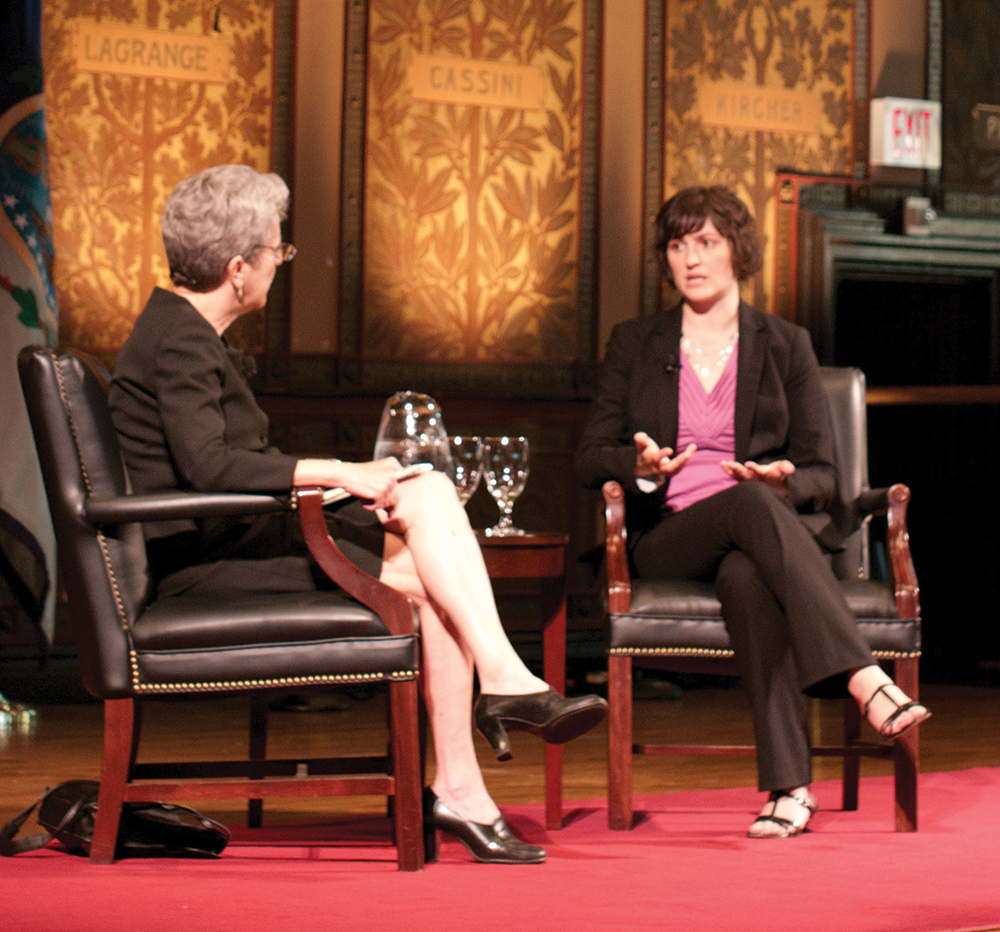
x=725, y=654
x=670, y=651
x=272, y=683
x=102, y=541
x=226, y=686
x=64, y=398
x=76, y=431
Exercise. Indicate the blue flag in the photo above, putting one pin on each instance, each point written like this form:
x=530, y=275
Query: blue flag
x=27, y=312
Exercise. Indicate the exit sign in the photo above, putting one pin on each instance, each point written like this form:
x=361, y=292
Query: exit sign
x=905, y=132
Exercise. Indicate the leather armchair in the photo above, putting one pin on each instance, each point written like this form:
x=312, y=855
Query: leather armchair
x=133, y=646
x=677, y=624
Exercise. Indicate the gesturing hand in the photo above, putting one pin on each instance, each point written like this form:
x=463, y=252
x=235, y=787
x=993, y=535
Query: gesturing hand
x=774, y=474
x=653, y=462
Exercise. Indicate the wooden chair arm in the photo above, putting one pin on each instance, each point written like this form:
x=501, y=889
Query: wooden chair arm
x=619, y=579
x=395, y=609
x=903, y=573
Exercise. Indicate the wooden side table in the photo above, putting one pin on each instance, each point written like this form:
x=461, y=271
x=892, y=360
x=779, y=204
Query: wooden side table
x=540, y=556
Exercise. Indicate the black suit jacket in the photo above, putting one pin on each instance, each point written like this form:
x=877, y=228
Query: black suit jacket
x=781, y=411
x=185, y=415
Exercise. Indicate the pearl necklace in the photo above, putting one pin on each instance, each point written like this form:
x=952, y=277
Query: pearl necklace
x=702, y=361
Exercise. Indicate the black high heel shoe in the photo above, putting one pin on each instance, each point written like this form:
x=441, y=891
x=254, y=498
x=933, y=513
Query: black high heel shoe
x=489, y=844
x=548, y=715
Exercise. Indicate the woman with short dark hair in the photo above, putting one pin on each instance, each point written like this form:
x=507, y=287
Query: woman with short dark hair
x=712, y=417
x=188, y=420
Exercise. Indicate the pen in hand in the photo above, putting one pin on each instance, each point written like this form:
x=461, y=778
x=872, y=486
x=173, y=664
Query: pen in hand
x=407, y=472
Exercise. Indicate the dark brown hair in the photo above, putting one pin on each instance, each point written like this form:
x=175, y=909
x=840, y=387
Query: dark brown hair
x=687, y=211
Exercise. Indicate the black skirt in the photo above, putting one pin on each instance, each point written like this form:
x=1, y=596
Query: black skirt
x=262, y=553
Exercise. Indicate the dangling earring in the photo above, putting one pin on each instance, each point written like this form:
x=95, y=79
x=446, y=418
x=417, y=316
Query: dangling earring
x=239, y=294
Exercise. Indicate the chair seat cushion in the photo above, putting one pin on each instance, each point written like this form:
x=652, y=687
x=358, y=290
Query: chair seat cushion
x=199, y=621
x=681, y=617
x=678, y=597
x=299, y=638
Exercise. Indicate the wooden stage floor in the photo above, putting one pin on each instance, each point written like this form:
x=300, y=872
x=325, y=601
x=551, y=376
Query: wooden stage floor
x=66, y=743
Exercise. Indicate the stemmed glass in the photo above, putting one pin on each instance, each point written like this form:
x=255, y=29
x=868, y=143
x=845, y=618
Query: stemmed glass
x=506, y=471
x=467, y=464
x=412, y=430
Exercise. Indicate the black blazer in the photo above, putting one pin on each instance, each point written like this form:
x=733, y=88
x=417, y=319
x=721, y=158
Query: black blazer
x=781, y=411
x=185, y=415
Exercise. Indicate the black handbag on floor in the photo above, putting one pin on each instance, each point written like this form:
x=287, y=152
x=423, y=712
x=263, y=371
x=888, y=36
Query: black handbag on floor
x=147, y=830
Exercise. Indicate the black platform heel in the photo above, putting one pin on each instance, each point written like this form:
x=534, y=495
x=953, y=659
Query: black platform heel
x=488, y=844
x=548, y=715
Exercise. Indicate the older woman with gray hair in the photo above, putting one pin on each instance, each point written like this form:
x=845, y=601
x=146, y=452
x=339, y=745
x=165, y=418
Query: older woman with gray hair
x=188, y=420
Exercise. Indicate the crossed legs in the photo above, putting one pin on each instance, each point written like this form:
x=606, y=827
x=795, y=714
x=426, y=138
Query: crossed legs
x=789, y=626
x=431, y=554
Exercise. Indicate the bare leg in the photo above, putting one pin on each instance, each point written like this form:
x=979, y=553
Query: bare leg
x=447, y=685
x=437, y=562
x=439, y=558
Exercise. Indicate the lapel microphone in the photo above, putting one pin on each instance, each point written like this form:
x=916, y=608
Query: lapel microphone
x=670, y=366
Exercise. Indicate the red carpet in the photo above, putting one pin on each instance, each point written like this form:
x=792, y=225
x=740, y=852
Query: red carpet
x=686, y=866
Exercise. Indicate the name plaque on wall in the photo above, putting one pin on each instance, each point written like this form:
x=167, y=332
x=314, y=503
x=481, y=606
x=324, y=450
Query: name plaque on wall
x=482, y=83
x=147, y=53
x=134, y=102
x=470, y=254
x=750, y=88
x=770, y=109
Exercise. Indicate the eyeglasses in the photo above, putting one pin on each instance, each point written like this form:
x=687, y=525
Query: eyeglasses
x=284, y=251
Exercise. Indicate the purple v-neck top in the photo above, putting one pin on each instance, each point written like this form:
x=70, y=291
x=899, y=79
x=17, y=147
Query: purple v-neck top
x=708, y=421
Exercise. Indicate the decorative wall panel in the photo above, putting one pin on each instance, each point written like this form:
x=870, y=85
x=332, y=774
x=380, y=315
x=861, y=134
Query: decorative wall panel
x=139, y=95
x=478, y=187
x=753, y=86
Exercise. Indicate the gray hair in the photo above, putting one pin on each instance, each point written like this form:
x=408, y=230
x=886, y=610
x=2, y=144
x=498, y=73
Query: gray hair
x=216, y=214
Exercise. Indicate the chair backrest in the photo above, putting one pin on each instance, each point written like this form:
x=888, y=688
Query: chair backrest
x=845, y=391
x=103, y=569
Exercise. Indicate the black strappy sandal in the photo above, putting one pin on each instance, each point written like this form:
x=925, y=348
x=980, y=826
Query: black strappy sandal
x=789, y=827
x=885, y=729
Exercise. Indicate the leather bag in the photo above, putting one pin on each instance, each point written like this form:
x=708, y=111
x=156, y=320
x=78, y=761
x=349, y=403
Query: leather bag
x=147, y=830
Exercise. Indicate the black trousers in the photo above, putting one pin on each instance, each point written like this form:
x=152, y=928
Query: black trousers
x=788, y=623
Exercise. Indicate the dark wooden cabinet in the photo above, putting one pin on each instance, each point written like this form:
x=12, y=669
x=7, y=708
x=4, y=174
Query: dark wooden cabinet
x=921, y=316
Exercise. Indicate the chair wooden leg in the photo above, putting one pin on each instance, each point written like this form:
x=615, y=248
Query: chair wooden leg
x=907, y=751
x=424, y=734
x=137, y=713
x=852, y=763
x=119, y=751
x=408, y=813
x=258, y=751
x=619, y=742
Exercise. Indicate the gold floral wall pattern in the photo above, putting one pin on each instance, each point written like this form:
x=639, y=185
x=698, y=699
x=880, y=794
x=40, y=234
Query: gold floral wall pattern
x=472, y=180
x=139, y=94
x=755, y=85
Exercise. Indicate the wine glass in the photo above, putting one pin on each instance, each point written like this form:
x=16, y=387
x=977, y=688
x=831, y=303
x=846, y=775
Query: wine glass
x=412, y=430
x=506, y=471
x=467, y=463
